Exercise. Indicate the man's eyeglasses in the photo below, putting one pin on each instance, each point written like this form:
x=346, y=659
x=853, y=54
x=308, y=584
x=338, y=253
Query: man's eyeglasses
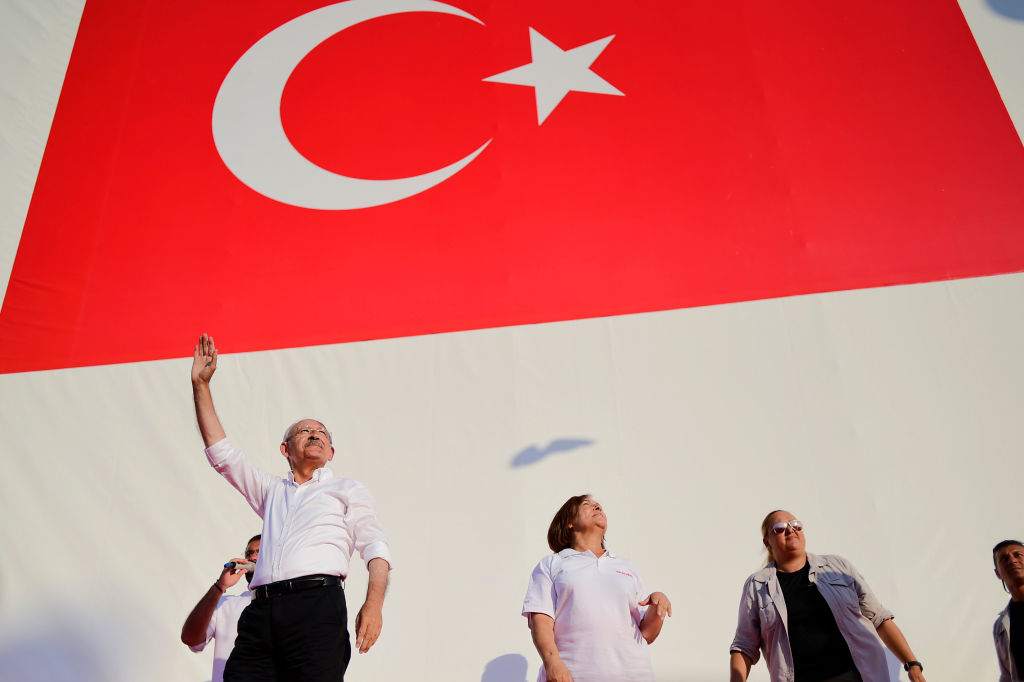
x=780, y=527
x=309, y=431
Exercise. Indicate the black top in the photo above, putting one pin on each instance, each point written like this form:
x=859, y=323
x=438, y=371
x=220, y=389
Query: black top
x=819, y=649
x=1017, y=633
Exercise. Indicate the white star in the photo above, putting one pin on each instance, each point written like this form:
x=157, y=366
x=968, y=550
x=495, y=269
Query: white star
x=554, y=72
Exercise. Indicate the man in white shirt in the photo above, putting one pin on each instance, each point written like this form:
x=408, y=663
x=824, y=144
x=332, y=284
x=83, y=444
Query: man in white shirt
x=297, y=624
x=216, y=614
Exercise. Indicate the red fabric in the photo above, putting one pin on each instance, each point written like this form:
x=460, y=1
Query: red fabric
x=760, y=150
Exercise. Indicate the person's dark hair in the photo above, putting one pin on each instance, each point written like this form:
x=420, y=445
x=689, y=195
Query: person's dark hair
x=1004, y=543
x=253, y=539
x=560, y=531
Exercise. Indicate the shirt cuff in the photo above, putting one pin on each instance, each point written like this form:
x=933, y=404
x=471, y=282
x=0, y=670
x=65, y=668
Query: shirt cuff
x=377, y=550
x=881, y=617
x=753, y=654
x=217, y=452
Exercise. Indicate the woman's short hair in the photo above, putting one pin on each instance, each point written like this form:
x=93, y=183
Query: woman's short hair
x=560, y=531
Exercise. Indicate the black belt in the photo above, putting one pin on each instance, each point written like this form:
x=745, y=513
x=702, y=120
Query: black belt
x=306, y=582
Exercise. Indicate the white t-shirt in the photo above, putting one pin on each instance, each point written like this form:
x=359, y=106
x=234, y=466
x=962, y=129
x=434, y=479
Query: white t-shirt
x=223, y=628
x=594, y=602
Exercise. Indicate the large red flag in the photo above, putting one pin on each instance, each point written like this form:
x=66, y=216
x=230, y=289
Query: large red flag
x=300, y=173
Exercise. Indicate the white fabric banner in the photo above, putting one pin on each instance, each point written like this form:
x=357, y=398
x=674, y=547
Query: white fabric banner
x=888, y=420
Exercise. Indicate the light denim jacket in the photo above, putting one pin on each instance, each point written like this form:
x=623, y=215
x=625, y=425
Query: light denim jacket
x=1001, y=633
x=762, y=618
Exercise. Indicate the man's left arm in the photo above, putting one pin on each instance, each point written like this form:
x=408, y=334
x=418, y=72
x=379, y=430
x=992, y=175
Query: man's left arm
x=370, y=620
x=372, y=544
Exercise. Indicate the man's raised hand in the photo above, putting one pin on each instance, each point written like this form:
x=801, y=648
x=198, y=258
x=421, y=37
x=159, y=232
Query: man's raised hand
x=204, y=360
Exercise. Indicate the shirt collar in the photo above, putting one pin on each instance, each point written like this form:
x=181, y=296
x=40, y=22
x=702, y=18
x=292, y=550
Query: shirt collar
x=321, y=474
x=569, y=551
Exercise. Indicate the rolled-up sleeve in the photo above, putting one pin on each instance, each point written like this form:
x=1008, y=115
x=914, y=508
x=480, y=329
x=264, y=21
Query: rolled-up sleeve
x=233, y=465
x=747, y=639
x=870, y=607
x=367, y=533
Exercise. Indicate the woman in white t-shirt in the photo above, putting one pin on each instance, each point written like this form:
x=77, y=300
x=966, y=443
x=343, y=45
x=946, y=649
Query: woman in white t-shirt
x=588, y=610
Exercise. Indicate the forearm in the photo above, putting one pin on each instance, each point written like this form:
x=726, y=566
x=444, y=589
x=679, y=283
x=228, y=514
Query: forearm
x=193, y=632
x=650, y=626
x=377, y=585
x=369, y=620
x=206, y=416
x=739, y=666
x=893, y=638
x=542, y=630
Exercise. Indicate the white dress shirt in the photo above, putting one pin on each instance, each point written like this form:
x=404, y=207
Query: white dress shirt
x=309, y=528
x=223, y=628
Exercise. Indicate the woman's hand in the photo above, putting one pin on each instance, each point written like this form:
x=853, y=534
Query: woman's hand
x=658, y=608
x=659, y=602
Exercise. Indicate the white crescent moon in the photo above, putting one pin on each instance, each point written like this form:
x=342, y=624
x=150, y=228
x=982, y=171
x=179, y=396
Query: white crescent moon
x=247, y=127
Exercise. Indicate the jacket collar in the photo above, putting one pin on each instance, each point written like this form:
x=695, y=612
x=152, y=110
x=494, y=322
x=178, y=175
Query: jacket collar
x=767, y=574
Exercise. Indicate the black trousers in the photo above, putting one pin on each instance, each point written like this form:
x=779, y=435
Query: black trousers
x=297, y=637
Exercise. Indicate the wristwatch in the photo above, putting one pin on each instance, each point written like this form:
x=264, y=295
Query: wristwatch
x=910, y=664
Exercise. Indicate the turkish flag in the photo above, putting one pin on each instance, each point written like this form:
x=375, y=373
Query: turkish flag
x=653, y=155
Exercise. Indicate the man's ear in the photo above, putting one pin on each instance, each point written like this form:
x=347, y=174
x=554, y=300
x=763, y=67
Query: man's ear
x=284, y=450
x=332, y=454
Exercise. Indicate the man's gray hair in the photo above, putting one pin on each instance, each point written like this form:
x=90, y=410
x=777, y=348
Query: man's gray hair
x=288, y=432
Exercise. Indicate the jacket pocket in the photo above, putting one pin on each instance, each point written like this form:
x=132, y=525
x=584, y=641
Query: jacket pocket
x=844, y=591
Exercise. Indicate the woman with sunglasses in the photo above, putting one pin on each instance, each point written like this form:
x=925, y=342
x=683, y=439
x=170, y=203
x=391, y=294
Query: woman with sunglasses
x=589, y=613
x=813, y=617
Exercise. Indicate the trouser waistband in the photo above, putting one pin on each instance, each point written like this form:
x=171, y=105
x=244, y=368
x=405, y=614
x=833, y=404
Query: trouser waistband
x=305, y=582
